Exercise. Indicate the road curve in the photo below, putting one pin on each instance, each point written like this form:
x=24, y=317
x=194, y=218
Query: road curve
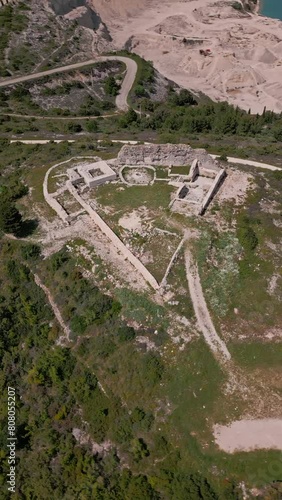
x=122, y=97
x=128, y=81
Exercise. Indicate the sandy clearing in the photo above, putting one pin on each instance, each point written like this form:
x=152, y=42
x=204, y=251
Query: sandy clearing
x=235, y=186
x=248, y=435
x=204, y=320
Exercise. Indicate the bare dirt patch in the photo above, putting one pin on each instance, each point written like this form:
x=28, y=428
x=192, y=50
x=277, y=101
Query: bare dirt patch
x=236, y=186
x=134, y=221
x=248, y=435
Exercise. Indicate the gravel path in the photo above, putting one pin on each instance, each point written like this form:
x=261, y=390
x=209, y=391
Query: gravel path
x=252, y=163
x=55, y=309
x=204, y=320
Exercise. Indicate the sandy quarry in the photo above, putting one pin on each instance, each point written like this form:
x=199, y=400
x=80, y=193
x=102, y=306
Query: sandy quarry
x=245, y=62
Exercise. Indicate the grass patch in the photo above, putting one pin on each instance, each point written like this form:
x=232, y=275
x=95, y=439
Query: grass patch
x=184, y=170
x=177, y=281
x=218, y=260
x=153, y=197
x=162, y=248
x=194, y=387
x=138, y=307
x=255, y=354
x=161, y=172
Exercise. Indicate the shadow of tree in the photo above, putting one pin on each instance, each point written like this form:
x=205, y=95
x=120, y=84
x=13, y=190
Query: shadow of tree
x=27, y=228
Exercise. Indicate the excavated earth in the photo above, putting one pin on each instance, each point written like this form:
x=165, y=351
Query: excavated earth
x=243, y=51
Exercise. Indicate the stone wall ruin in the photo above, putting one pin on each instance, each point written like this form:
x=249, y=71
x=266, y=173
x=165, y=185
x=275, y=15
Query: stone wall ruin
x=175, y=155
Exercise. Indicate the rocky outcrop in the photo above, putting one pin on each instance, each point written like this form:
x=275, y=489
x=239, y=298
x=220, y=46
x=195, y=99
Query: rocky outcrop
x=83, y=13
x=164, y=154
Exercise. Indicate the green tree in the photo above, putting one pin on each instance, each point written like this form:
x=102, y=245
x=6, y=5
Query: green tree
x=126, y=333
x=140, y=489
x=277, y=132
x=91, y=126
x=74, y=128
x=111, y=86
x=129, y=118
x=248, y=238
x=184, y=98
x=10, y=217
x=139, y=449
x=140, y=91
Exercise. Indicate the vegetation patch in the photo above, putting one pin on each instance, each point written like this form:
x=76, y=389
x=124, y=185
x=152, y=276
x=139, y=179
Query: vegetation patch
x=180, y=170
x=218, y=259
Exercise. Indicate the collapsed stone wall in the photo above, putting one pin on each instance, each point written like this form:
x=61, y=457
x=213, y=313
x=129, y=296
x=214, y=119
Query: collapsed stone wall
x=165, y=154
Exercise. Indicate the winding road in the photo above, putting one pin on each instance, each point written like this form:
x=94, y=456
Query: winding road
x=122, y=97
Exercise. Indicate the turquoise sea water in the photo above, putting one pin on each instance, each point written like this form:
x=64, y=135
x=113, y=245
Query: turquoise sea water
x=271, y=8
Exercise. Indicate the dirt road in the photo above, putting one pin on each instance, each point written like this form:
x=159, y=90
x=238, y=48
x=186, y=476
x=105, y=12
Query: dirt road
x=121, y=99
x=251, y=163
x=204, y=320
x=51, y=118
x=55, y=309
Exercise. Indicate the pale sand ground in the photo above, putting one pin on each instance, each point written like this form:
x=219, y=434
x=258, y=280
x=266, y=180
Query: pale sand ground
x=246, y=435
x=245, y=66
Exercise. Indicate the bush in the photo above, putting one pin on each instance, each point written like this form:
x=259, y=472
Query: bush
x=78, y=325
x=30, y=251
x=10, y=217
x=237, y=6
x=140, y=91
x=223, y=157
x=126, y=333
x=91, y=126
x=111, y=86
x=248, y=238
x=129, y=118
x=184, y=98
x=58, y=260
x=74, y=128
